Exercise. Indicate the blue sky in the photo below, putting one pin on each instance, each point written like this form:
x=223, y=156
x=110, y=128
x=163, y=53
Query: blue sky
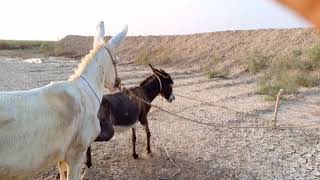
x=52, y=20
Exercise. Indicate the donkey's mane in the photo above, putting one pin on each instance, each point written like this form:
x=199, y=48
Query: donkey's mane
x=84, y=63
x=146, y=80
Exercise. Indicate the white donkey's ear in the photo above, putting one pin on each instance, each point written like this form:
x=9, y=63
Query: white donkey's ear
x=115, y=41
x=98, y=39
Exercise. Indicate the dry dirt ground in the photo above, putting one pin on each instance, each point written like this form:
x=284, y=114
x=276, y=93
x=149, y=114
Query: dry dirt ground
x=202, y=152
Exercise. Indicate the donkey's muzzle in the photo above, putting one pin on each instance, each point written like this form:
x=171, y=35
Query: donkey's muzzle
x=171, y=98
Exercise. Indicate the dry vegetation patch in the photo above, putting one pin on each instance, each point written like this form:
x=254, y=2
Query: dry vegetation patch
x=143, y=58
x=288, y=71
x=26, y=49
x=256, y=61
x=212, y=69
x=160, y=56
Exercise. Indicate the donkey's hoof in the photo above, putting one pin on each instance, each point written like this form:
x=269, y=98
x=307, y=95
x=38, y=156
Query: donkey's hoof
x=135, y=156
x=149, y=151
x=88, y=164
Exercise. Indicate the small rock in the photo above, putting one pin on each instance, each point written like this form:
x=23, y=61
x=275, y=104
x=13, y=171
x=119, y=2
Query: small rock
x=295, y=164
x=301, y=161
x=309, y=167
x=316, y=173
x=307, y=155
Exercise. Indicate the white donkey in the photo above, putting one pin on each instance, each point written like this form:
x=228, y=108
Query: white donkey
x=56, y=123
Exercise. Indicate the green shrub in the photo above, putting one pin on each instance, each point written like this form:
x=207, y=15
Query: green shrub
x=286, y=72
x=210, y=68
x=297, y=52
x=47, y=48
x=16, y=44
x=217, y=74
x=256, y=61
x=314, y=53
x=4, y=45
x=306, y=80
x=270, y=85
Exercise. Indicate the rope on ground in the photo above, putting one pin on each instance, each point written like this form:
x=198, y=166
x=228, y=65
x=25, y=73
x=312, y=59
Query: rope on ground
x=167, y=153
x=221, y=107
x=209, y=103
x=216, y=125
x=265, y=127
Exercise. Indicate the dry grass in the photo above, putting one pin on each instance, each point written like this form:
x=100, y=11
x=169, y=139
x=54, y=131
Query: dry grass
x=211, y=71
x=22, y=53
x=211, y=74
x=164, y=55
x=47, y=48
x=288, y=72
x=256, y=61
x=160, y=56
x=17, y=44
x=314, y=56
x=26, y=49
x=142, y=58
x=314, y=53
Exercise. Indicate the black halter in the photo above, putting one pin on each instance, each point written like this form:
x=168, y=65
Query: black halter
x=117, y=80
x=90, y=88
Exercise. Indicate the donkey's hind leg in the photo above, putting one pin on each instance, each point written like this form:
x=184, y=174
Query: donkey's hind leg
x=62, y=167
x=88, y=157
x=146, y=128
x=134, y=138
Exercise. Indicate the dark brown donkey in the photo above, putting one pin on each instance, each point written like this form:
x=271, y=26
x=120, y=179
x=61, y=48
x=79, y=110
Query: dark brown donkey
x=121, y=110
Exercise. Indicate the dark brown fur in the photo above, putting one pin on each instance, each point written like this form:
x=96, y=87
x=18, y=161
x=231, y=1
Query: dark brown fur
x=119, y=109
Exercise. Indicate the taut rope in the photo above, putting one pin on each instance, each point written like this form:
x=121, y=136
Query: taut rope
x=216, y=125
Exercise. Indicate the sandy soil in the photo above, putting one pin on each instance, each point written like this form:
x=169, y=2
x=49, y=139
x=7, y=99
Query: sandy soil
x=202, y=152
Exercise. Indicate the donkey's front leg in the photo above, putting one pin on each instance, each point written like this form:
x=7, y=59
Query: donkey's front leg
x=146, y=128
x=62, y=167
x=134, y=138
x=75, y=161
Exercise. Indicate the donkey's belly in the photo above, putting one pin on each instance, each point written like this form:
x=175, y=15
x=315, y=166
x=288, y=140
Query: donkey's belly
x=125, y=116
x=121, y=128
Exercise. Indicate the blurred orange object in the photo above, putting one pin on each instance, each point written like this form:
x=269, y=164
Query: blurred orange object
x=310, y=9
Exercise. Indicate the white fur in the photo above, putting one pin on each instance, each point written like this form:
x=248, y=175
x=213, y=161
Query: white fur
x=38, y=128
x=116, y=40
x=120, y=129
x=98, y=39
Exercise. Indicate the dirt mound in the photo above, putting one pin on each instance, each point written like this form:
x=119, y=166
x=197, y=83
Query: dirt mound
x=73, y=46
x=231, y=47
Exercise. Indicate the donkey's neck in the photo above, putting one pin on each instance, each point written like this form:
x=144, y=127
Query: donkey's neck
x=95, y=73
x=151, y=89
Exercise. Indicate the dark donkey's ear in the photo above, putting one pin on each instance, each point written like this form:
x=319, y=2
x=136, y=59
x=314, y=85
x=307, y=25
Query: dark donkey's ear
x=156, y=71
x=159, y=72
